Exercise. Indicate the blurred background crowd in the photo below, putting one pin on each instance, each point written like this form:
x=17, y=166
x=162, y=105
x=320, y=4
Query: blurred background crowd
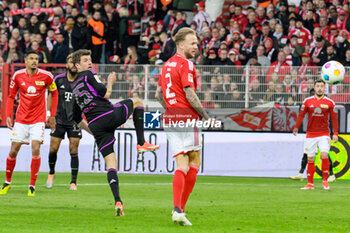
x=279, y=45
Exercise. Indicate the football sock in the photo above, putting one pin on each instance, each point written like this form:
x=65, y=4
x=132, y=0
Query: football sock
x=325, y=168
x=178, y=186
x=34, y=169
x=138, y=122
x=10, y=166
x=190, y=181
x=310, y=172
x=52, y=162
x=303, y=164
x=330, y=166
x=74, y=164
x=113, y=182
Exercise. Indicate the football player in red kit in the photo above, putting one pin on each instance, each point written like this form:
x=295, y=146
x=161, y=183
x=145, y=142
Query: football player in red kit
x=31, y=83
x=318, y=108
x=177, y=94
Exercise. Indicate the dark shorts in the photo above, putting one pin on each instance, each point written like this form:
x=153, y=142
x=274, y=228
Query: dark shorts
x=73, y=131
x=103, y=128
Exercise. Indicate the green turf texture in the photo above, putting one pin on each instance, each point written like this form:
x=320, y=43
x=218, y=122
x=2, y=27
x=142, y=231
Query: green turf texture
x=218, y=204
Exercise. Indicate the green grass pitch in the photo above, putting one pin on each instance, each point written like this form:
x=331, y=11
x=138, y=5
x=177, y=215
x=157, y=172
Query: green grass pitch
x=218, y=204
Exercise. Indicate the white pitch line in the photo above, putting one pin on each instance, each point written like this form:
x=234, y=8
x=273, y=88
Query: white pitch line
x=199, y=183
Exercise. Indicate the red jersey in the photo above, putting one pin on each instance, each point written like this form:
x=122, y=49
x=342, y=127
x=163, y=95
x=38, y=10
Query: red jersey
x=178, y=73
x=32, y=90
x=304, y=35
x=318, y=116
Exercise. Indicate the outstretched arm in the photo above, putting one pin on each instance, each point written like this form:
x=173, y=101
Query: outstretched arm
x=159, y=96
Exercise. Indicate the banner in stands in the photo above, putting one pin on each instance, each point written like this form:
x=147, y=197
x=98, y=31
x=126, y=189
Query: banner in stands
x=254, y=119
x=276, y=118
x=31, y=11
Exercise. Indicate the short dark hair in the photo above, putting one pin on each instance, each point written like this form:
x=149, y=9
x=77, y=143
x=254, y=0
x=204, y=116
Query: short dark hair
x=30, y=52
x=70, y=17
x=312, y=91
x=78, y=54
x=266, y=24
x=320, y=81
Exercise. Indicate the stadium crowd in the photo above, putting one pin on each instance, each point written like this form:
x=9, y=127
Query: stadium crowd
x=283, y=45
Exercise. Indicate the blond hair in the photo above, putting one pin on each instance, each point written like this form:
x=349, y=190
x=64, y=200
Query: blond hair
x=123, y=12
x=182, y=33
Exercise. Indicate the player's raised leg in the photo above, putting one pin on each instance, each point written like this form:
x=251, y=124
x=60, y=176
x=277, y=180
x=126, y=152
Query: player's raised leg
x=74, y=162
x=138, y=110
x=10, y=166
x=55, y=143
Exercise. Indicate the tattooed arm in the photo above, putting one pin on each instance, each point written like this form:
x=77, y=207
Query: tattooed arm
x=195, y=102
x=159, y=97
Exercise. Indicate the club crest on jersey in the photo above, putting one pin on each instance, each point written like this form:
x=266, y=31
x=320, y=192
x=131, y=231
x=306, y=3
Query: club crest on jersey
x=324, y=106
x=31, y=90
x=40, y=83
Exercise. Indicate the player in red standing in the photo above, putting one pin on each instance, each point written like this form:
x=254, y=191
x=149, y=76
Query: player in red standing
x=32, y=84
x=177, y=94
x=318, y=107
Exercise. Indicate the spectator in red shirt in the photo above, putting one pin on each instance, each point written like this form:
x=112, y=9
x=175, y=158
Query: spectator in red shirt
x=280, y=67
x=304, y=35
x=239, y=17
x=332, y=34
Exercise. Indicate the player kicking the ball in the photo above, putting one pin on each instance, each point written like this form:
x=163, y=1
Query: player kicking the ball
x=177, y=94
x=318, y=108
x=32, y=84
x=103, y=117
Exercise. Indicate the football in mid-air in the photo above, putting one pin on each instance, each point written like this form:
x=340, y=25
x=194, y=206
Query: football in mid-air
x=333, y=72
